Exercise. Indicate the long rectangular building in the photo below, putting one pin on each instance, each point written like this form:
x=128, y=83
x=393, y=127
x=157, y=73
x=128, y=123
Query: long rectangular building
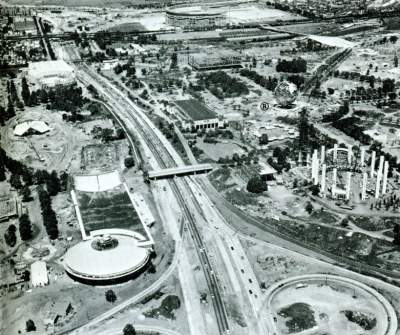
x=198, y=115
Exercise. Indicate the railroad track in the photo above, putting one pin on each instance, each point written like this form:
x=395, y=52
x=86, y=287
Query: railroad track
x=165, y=160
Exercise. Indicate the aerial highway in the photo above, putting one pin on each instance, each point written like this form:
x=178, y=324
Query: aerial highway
x=164, y=159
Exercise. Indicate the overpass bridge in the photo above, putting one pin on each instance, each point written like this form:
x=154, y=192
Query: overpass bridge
x=179, y=171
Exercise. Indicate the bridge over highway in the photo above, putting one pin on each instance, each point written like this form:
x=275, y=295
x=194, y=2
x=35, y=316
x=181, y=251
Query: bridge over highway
x=180, y=171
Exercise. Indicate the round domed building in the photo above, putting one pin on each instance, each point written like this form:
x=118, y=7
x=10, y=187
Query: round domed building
x=285, y=94
x=113, y=256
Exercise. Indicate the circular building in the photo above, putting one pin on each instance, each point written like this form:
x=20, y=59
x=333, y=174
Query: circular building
x=285, y=94
x=195, y=17
x=106, y=259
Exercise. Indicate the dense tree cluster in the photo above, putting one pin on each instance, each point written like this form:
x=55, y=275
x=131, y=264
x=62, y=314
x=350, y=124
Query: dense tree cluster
x=269, y=83
x=336, y=115
x=256, y=185
x=296, y=65
x=63, y=98
x=222, y=85
x=25, y=227
x=279, y=159
x=10, y=236
x=352, y=127
x=49, y=216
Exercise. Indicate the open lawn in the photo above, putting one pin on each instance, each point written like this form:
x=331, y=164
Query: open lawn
x=107, y=210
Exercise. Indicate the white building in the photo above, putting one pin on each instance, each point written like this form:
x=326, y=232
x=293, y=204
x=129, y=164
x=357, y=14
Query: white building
x=51, y=73
x=24, y=128
x=39, y=274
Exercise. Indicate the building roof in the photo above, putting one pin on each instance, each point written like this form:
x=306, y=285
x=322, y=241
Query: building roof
x=266, y=169
x=195, y=109
x=39, y=274
x=336, y=42
x=49, y=68
x=97, y=183
x=84, y=261
x=37, y=126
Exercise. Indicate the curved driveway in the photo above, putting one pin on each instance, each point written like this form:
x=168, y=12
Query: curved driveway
x=390, y=322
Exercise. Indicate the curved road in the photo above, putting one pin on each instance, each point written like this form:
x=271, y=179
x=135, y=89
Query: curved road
x=390, y=322
x=135, y=299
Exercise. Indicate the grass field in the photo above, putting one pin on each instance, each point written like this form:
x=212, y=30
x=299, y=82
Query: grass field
x=107, y=210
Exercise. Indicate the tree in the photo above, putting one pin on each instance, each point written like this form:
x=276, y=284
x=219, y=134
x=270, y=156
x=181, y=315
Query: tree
x=63, y=181
x=309, y=207
x=304, y=129
x=25, y=93
x=2, y=171
x=15, y=181
x=25, y=227
x=314, y=190
x=9, y=236
x=396, y=232
x=26, y=194
x=53, y=184
x=263, y=139
x=129, y=162
x=30, y=326
x=174, y=60
x=256, y=185
x=129, y=330
x=110, y=296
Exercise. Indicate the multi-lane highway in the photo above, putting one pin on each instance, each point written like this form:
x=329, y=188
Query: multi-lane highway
x=164, y=158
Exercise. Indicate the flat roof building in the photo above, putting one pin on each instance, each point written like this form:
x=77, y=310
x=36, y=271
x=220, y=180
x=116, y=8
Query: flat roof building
x=51, y=73
x=197, y=115
x=39, y=275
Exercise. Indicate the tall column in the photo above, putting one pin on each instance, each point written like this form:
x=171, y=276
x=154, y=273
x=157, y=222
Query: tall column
x=349, y=152
x=379, y=177
x=385, y=175
x=364, y=186
x=334, y=180
x=323, y=180
x=373, y=164
x=308, y=159
x=362, y=157
x=314, y=167
x=316, y=173
x=348, y=185
x=323, y=154
x=335, y=147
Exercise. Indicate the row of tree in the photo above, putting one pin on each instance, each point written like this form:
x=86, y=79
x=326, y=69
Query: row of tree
x=49, y=216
